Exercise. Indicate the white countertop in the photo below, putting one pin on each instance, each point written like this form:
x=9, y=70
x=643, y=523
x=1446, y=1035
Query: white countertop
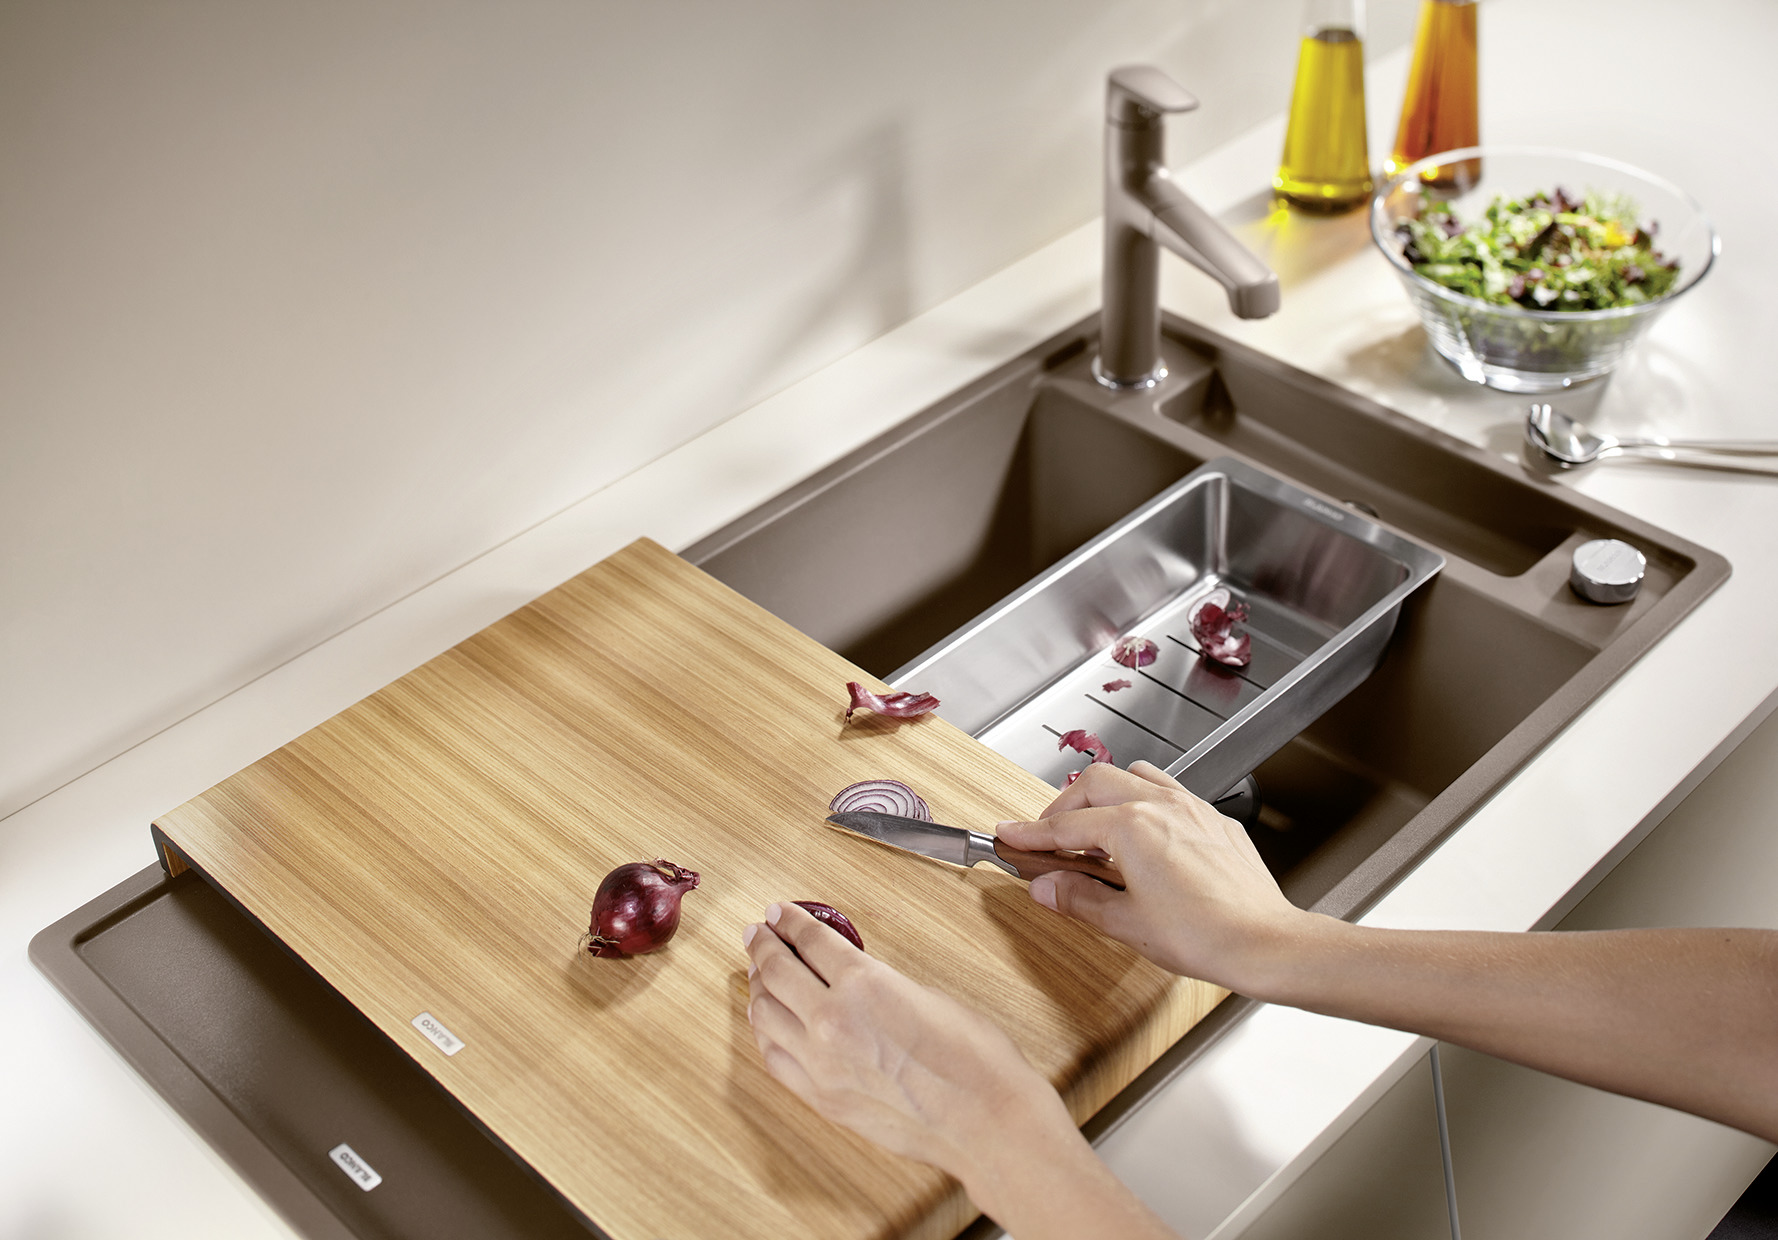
x=87, y=1150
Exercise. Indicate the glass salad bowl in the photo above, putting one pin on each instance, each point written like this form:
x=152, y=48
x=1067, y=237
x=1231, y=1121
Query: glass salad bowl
x=1503, y=324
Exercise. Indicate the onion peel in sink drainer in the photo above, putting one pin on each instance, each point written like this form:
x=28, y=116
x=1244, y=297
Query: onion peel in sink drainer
x=1085, y=742
x=1212, y=622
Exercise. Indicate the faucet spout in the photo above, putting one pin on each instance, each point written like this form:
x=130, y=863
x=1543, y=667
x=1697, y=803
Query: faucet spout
x=1181, y=225
x=1146, y=209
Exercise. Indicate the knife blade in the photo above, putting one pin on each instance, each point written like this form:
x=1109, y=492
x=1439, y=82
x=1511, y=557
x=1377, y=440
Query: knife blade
x=960, y=846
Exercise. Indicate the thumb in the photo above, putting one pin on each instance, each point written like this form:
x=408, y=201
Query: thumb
x=1077, y=896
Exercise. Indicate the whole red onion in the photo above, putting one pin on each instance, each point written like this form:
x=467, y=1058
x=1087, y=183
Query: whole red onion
x=832, y=916
x=636, y=908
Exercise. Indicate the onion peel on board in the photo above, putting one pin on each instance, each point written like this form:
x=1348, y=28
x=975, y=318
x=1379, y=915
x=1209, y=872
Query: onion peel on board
x=895, y=705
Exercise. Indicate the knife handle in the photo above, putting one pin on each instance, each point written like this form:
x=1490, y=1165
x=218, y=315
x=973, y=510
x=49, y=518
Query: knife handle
x=1031, y=864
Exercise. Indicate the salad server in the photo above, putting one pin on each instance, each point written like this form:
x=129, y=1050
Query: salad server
x=1568, y=443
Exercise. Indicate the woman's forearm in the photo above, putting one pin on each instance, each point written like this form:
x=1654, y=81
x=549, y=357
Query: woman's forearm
x=1046, y=1183
x=1685, y=1018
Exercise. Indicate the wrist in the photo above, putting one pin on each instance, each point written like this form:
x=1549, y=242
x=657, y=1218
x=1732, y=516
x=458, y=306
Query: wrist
x=1032, y=1175
x=1282, y=962
x=1029, y=1147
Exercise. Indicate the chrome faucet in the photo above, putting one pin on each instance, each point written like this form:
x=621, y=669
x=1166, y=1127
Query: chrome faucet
x=1144, y=210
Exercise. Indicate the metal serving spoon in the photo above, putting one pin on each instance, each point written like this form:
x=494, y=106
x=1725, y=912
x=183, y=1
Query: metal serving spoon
x=1568, y=442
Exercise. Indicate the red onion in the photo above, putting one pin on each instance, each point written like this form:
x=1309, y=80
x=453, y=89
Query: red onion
x=899, y=705
x=829, y=915
x=636, y=908
x=1112, y=686
x=880, y=796
x=1085, y=742
x=1213, y=621
x=1134, y=652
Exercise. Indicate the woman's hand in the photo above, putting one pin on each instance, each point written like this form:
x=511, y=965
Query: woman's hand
x=867, y=1047
x=1197, y=901
x=926, y=1077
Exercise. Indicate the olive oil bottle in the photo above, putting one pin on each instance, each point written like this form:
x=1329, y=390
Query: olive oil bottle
x=1326, y=163
x=1441, y=111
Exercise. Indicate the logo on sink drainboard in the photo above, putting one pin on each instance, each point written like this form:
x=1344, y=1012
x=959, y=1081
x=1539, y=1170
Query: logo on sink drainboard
x=1326, y=510
x=437, y=1034
x=361, y=1172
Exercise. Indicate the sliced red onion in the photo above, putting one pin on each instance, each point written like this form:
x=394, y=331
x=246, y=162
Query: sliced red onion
x=1112, y=686
x=1134, y=651
x=1212, y=623
x=898, y=705
x=827, y=914
x=880, y=796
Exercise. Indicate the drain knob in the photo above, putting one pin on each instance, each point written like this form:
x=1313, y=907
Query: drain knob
x=1607, y=570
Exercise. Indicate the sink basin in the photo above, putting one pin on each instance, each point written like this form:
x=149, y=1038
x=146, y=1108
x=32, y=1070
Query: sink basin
x=888, y=552
x=961, y=513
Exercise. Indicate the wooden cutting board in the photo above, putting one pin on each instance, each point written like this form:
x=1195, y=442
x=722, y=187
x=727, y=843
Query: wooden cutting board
x=435, y=849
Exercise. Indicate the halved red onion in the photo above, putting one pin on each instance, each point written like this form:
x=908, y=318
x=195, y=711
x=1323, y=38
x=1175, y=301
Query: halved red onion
x=1112, y=686
x=1212, y=623
x=880, y=796
x=1134, y=651
x=827, y=914
x=898, y=705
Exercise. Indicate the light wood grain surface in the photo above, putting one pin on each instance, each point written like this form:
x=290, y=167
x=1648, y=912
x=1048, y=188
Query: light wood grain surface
x=435, y=848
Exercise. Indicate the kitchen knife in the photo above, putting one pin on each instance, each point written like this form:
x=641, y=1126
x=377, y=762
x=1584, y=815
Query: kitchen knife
x=962, y=847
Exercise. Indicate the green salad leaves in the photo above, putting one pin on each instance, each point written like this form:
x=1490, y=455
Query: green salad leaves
x=1548, y=251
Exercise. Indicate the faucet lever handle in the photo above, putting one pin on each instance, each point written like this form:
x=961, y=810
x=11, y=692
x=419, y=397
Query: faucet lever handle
x=1138, y=94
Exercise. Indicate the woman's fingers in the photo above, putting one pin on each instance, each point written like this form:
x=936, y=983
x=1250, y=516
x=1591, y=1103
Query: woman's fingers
x=774, y=1023
x=1154, y=775
x=1100, y=784
x=788, y=1071
x=1077, y=830
x=1076, y=895
x=784, y=975
x=821, y=946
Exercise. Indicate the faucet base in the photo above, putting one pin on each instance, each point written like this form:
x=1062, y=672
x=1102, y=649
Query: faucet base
x=1151, y=379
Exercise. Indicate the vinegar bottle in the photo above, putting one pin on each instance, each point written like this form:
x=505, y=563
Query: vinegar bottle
x=1326, y=163
x=1441, y=110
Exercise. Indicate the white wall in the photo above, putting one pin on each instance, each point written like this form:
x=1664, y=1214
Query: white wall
x=305, y=304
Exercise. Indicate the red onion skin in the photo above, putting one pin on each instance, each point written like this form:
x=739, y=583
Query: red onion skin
x=828, y=915
x=895, y=705
x=1213, y=626
x=1134, y=652
x=636, y=908
x=1212, y=623
x=883, y=796
x=1084, y=742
